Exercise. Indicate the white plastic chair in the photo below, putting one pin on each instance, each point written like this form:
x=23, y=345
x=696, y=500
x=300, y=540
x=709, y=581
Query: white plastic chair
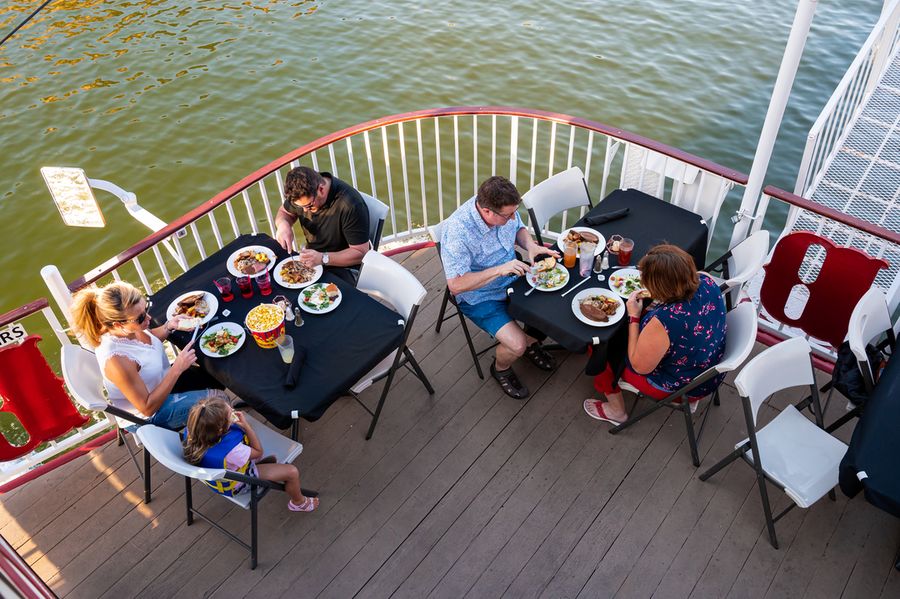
x=165, y=446
x=792, y=452
x=435, y=232
x=385, y=279
x=85, y=383
x=869, y=320
x=740, y=264
x=551, y=196
x=378, y=211
x=739, y=339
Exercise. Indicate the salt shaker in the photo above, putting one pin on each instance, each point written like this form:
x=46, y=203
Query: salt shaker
x=605, y=264
x=298, y=317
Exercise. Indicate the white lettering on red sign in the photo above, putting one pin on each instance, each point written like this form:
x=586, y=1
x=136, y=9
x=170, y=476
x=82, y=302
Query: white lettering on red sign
x=12, y=334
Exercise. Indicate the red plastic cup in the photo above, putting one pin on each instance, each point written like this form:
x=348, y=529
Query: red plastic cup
x=626, y=247
x=245, y=284
x=264, y=280
x=224, y=286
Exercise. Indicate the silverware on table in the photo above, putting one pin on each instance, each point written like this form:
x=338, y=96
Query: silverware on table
x=530, y=291
x=577, y=285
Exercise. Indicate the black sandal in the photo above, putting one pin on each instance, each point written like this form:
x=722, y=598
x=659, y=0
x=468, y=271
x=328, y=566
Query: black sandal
x=509, y=382
x=538, y=356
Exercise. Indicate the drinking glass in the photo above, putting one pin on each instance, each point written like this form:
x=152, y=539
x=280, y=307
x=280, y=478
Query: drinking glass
x=285, y=345
x=264, y=280
x=586, y=259
x=569, y=254
x=245, y=284
x=223, y=284
x=626, y=246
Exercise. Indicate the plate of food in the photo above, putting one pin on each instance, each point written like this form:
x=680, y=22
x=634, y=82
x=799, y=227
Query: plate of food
x=319, y=298
x=198, y=306
x=547, y=275
x=580, y=235
x=598, y=307
x=250, y=261
x=625, y=281
x=293, y=274
x=222, y=339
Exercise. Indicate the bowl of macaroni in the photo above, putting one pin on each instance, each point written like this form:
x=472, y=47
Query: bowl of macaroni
x=266, y=324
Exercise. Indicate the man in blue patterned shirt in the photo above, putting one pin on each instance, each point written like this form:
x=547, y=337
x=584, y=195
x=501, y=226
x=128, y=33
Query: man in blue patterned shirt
x=478, y=251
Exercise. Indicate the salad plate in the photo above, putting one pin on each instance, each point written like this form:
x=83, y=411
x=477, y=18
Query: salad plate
x=222, y=339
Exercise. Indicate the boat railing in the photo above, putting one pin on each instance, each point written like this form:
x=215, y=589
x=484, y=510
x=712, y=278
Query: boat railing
x=840, y=112
x=424, y=165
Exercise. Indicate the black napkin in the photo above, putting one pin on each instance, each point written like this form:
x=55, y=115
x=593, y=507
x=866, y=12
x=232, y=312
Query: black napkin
x=599, y=219
x=293, y=374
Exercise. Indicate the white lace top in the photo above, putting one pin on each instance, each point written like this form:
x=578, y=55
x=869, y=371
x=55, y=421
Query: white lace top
x=151, y=360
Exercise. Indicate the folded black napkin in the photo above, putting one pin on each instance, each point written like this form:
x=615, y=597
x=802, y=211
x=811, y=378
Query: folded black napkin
x=293, y=375
x=599, y=219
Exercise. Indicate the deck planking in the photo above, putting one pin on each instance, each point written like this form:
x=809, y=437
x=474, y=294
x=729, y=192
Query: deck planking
x=463, y=493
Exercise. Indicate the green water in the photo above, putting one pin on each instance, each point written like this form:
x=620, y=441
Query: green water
x=177, y=100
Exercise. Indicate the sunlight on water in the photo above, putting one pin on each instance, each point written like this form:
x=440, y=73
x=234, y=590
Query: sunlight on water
x=175, y=101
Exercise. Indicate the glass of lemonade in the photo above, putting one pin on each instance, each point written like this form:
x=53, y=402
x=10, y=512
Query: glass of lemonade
x=285, y=345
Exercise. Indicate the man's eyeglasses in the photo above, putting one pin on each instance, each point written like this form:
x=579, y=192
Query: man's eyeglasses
x=305, y=207
x=510, y=216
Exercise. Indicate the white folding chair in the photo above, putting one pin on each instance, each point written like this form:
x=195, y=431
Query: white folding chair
x=792, y=452
x=551, y=196
x=387, y=280
x=740, y=264
x=434, y=232
x=869, y=320
x=378, y=211
x=739, y=340
x=165, y=446
x=85, y=383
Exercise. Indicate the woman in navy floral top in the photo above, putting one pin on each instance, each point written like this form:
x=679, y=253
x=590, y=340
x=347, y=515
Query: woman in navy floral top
x=681, y=335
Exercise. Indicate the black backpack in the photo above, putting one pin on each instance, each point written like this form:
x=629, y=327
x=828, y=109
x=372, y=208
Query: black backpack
x=846, y=376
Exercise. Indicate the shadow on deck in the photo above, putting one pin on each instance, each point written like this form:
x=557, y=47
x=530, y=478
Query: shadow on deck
x=463, y=493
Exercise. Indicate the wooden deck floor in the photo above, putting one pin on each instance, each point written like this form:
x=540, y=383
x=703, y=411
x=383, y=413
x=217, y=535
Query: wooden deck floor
x=466, y=493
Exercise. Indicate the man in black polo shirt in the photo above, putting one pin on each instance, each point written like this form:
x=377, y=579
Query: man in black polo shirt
x=334, y=219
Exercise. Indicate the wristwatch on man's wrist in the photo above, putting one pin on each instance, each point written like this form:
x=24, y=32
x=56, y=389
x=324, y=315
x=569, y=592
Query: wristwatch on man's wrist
x=325, y=258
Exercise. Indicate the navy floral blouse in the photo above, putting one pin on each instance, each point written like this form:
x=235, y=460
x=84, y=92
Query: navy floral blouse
x=696, y=330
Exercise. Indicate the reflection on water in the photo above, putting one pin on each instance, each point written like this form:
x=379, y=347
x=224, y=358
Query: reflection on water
x=177, y=100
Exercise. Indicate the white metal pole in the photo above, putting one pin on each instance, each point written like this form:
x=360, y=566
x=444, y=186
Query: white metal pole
x=780, y=94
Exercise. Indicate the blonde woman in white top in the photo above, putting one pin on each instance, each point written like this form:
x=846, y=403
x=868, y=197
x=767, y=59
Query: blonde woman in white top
x=115, y=319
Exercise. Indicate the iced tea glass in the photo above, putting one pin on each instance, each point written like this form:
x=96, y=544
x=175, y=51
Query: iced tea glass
x=245, y=284
x=569, y=254
x=626, y=247
x=264, y=281
x=223, y=284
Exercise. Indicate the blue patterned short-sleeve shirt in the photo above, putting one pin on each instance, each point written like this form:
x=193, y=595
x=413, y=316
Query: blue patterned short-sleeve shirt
x=468, y=244
x=696, y=330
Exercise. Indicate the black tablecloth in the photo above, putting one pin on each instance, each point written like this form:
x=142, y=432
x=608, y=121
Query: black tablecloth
x=875, y=446
x=649, y=222
x=341, y=346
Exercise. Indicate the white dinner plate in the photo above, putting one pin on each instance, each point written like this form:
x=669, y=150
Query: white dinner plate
x=622, y=272
x=312, y=289
x=529, y=277
x=576, y=308
x=253, y=248
x=601, y=244
x=278, y=279
x=233, y=328
x=209, y=297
